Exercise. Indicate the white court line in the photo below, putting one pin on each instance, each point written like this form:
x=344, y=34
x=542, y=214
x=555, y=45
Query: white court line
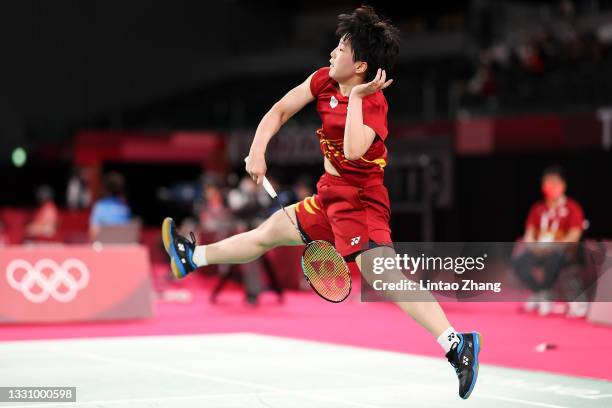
x=122, y=401
x=276, y=390
x=434, y=373
x=405, y=370
x=477, y=395
x=208, y=377
x=273, y=393
x=526, y=402
x=168, y=370
x=154, y=400
x=270, y=390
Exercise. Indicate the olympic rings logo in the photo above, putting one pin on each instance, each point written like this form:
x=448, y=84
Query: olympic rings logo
x=62, y=276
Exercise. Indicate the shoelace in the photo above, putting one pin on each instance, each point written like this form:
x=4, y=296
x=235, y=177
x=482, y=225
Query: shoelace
x=192, y=236
x=451, y=361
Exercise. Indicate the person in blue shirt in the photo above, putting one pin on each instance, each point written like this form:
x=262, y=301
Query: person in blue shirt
x=112, y=208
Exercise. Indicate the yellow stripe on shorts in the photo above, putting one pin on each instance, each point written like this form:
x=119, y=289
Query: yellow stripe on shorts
x=307, y=206
x=313, y=202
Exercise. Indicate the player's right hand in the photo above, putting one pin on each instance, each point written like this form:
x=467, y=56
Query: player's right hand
x=377, y=84
x=256, y=167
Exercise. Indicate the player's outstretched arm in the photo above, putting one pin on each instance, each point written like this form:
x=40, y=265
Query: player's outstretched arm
x=280, y=113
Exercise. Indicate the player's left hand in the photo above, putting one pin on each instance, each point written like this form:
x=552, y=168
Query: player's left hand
x=377, y=84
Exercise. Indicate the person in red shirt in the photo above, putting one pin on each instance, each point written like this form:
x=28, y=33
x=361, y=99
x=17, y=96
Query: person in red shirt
x=45, y=220
x=555, y=219
x=351, y=206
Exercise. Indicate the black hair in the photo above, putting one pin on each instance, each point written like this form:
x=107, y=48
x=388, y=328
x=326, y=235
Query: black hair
x=373, y=40
x=554, y=171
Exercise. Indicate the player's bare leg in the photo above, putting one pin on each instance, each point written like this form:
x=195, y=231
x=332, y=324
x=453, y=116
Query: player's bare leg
x=461, y=349
x=247, y=246
x=426, y=311
x=241, y=248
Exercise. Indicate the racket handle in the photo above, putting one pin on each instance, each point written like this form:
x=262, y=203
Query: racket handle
x=272, y=193
x=268, y=187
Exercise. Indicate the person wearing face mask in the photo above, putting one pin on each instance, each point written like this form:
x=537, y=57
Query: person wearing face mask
x=555, y=219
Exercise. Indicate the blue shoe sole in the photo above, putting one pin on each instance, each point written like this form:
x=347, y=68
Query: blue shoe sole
x=477, y=347
x=178, y=270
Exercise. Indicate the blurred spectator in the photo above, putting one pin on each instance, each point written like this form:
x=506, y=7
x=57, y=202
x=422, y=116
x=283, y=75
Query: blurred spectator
x=250, y=205
x=302, y=187
x=525, y=68
x=285, y=196
x=604, y=34
x=530, y=58
x=483, y=82
x=45, y=220
x=214, y=215
x=112, y=208
x=248, y=202
x=555, y=219
x=78, y=195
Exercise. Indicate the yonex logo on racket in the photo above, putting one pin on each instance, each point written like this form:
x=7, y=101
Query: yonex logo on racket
x=62, y=284
x=325, y=271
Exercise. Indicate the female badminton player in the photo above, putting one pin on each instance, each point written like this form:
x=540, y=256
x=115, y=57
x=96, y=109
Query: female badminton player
x=351, y=207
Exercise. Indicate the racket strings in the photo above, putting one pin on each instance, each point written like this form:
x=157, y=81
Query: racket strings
x=326, y=271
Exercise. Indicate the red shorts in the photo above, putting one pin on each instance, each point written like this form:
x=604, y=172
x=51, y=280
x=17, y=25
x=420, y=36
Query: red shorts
x=349, y=217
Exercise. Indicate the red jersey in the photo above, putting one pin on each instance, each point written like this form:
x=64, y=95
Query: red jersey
x=332, y=107
x=551, y=224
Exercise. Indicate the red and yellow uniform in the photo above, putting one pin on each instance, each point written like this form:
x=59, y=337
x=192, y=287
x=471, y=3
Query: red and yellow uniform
x=351, y=210
x=552, y=224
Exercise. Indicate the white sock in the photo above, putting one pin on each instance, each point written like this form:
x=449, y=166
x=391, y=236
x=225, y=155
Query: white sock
x=199, y=256
x=448, y=338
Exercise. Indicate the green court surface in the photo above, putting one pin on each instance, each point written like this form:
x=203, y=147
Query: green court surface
x=246, y=370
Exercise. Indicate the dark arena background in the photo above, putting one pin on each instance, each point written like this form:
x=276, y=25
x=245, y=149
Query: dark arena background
x=160, y=100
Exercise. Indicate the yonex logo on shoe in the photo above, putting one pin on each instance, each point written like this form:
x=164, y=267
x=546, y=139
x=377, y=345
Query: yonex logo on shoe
x=181, y=247
x=355, y=241
x=466, y=361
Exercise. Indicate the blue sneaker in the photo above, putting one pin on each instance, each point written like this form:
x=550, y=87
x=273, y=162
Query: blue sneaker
x=179, y=248
x=463, y=356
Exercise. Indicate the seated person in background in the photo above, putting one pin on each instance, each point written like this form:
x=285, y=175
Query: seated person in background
x=112, y=208
x=302, y=187
x=45, y=220
x=215, y=218
x=78, y=195
x=249, y=207
x=557, y=218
